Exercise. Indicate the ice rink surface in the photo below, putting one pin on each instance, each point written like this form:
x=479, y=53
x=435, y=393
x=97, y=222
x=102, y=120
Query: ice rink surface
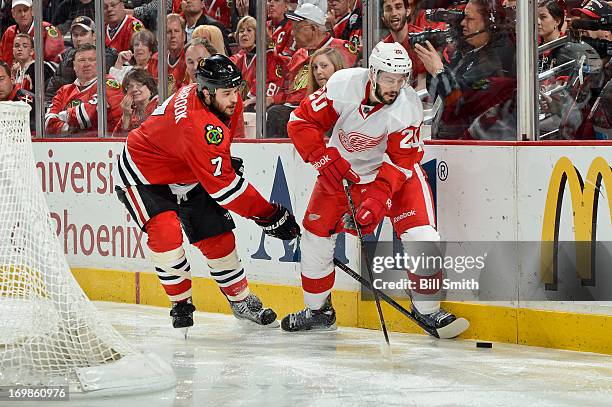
x=225, y=363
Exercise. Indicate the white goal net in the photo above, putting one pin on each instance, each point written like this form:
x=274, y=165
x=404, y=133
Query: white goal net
x=50, y=333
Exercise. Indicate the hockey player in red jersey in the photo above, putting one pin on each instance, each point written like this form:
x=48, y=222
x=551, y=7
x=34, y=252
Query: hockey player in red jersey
x=375, y=143
x=176, y=169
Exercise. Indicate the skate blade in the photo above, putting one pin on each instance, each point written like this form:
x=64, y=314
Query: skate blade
x=184, y=331
x=455, y=328
x=330, y=328
x=247, y=323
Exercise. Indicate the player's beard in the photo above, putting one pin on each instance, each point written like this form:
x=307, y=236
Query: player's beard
x=382, y=99
x=222, y=114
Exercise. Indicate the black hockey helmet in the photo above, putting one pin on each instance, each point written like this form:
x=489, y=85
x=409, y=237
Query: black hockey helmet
x=217, y=72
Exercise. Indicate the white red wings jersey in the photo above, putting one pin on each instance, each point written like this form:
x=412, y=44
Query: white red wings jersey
x=182, y=142
x=281, y=36
x=220, y=10
x=75, y=107
x=53, y=42
x=366, y=136
x=274, y=66
x=121, y=38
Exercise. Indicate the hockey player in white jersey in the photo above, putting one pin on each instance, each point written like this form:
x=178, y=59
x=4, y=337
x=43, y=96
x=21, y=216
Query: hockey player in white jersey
x=375, y=144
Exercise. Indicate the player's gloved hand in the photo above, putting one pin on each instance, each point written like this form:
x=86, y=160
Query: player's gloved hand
x=376, y=201
x=237, y=165
x=280, y=224
x=332, y=169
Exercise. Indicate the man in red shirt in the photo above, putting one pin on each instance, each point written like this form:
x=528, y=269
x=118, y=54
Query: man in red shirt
x=74, y=108
x=279, y=27
x=53, y=42
x=175, y=37
x=345, y=22
x=120, y=26
x=310, y=35
x=11, y=92
x=176, y=169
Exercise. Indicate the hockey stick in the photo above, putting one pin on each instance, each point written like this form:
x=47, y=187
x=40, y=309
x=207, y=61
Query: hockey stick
x=367, y=259
x=386, y=298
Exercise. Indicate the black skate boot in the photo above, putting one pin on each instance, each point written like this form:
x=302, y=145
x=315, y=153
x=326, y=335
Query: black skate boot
x=323, y=319
x=252, y=309
x=182, y=315
x=446, y=324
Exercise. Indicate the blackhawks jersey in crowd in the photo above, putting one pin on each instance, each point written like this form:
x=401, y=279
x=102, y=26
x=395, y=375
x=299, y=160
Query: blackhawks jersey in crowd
x=53, y=42
x=120, y=37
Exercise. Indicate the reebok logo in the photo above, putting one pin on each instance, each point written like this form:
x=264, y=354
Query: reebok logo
x=321, y=162
x=404, y=215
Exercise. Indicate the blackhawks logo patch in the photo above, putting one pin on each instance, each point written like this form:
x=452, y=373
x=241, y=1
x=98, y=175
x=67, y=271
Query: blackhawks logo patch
x=73, y=103
x=112, y=84
x=301, y=79
x=52, y=31
x=214, y=134
x=279, y=72
x=137, y=26
x=351, y=47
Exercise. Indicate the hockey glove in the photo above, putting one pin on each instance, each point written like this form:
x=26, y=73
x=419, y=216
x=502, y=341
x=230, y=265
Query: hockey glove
x=280, y=224
x=332, y=169
x=376, y=201
x=237, y=165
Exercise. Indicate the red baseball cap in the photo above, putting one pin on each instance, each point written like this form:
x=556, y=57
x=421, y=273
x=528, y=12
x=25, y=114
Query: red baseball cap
x=593, y=9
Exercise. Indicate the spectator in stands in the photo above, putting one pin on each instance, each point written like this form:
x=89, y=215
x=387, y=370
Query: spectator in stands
x=395, y=19
x=21, y=11
x=416, y=16
x=12, y=92
x=139, y=102
x=23, y=65
x=279, y=27
x=219, y=10
x=175, y=37
x=74, y=107
x=146, y=11
x=323, y=63
x=195, y=16
x=119, y=26
x=212, y=34
x=310, y=34
x=245, y=60
x=243, y=8
x=196, y=50
x=143, y=46
x=82, y=31
x=474, y=81
x=68, y=10
x=344, y=20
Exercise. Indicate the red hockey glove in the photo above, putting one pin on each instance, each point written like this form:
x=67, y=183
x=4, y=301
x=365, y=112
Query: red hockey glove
x=332, y=169
x=374, y=205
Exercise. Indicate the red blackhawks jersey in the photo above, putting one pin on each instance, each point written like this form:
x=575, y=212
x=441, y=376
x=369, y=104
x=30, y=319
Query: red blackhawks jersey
x=176, y=71
x=366, y=136
x=284, y=44
x=74, y=107
x=220, y=10
x=296, y=80
x=182, y=142
x=120, y=40
x=53, y=42
x=274, y=65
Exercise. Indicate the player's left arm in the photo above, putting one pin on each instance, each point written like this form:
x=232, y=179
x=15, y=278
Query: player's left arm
x=404, y=149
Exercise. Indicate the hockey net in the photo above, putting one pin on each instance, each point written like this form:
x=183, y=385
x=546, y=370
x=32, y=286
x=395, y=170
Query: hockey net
x=50, y=333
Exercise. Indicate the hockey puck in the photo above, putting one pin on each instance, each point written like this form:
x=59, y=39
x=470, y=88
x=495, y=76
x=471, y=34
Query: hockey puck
x=484, y=345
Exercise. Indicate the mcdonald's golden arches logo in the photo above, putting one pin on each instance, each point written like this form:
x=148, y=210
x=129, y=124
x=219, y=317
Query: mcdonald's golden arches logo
x=585, y=196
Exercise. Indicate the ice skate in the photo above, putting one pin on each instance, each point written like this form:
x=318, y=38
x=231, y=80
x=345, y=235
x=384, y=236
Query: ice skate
x=252, y=309
x=447, y=324
x=182, y=315
x=323, y=319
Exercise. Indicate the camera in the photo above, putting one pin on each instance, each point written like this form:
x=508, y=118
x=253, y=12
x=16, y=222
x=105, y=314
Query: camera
x=451, y=17
x=437, y=37
x=603, y=23
x=425, y=4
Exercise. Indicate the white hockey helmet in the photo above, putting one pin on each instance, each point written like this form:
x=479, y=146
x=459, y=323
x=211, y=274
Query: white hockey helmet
x=389, y=57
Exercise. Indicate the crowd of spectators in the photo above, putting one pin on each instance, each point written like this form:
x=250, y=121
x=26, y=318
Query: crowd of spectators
x=463, y=55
